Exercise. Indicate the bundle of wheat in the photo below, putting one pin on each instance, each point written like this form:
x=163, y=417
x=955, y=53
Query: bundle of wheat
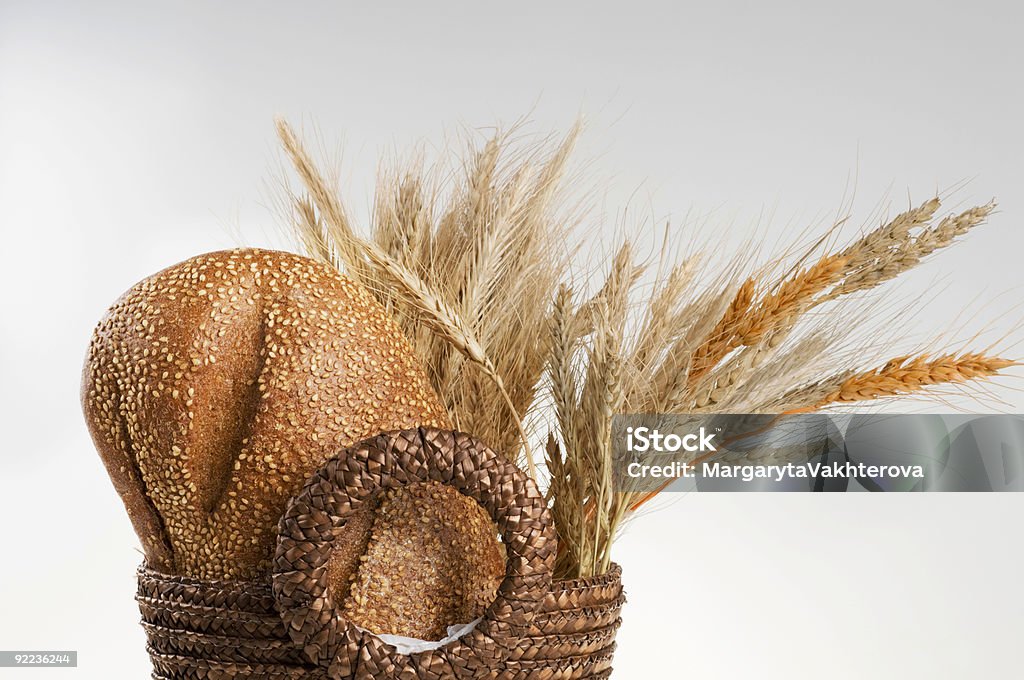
x=477, y=268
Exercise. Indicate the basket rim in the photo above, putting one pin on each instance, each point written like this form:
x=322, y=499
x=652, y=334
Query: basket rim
x=612, y=576
x=262, y=587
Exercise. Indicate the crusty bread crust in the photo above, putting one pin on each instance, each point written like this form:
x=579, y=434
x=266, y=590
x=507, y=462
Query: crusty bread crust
x=426, y=565
x=214, y=388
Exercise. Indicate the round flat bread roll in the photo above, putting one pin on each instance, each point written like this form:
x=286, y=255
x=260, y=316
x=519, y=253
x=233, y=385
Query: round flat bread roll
x=215, y=387
x=425, y=566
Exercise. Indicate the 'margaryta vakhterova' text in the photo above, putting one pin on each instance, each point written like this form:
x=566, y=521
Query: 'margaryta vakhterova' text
x=749, y=473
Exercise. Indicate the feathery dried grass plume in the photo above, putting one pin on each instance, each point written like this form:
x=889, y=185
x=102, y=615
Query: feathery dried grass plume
x=477, y=265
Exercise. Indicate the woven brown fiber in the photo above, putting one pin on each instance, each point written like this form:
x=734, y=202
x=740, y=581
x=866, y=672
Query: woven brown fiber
x=289, y=627
x=231, y=629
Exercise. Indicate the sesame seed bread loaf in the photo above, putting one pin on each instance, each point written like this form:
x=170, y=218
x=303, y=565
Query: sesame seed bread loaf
x=215, y=387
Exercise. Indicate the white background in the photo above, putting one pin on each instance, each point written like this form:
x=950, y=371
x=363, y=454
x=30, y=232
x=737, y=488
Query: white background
x=133, y=137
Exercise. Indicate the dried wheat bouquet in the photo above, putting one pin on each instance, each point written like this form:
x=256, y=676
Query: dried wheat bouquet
x=475, y=262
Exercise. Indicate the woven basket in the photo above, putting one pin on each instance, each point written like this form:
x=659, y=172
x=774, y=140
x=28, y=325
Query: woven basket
x=288, y=627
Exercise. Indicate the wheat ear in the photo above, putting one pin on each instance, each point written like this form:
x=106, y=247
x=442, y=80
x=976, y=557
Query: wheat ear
x=445, y=321
x=338, y=226
x=757, y=325
x=907, y=375
x=902, y=244
x=724, y=336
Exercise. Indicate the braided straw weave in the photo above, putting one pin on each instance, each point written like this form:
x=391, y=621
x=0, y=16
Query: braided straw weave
x=288, y=627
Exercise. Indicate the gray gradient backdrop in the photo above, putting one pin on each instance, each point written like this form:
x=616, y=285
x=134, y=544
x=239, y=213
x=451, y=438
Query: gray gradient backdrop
x=132, y=136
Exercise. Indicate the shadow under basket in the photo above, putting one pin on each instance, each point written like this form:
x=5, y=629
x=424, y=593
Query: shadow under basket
x=287, y=626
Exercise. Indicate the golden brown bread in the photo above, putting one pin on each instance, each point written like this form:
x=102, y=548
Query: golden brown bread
x=425, y=567
x=214, y=388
